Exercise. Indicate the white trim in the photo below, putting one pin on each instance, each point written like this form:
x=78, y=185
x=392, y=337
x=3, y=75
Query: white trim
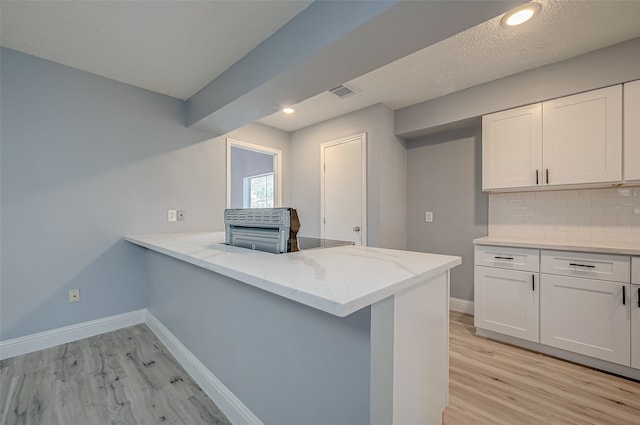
x=277, y=167
x=460, y=305
x=363, y=152
x=41, y=340
x=229, y=404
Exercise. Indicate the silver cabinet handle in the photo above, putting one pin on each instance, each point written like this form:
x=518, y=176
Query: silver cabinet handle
x=356, y=229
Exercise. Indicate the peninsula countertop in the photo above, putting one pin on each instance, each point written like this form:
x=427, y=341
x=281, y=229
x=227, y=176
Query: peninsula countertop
x=338, y=280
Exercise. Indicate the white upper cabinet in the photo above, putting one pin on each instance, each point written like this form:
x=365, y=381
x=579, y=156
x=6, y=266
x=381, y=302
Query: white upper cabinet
x=632, y=131
x=512, y=148
x=582, y=137
x=574, y=140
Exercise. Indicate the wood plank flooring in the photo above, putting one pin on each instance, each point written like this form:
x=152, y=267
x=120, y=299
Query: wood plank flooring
x=497, y=384
x=122, y=377
x=128, y=377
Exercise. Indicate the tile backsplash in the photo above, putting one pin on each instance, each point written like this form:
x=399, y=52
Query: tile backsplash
x=595, y=215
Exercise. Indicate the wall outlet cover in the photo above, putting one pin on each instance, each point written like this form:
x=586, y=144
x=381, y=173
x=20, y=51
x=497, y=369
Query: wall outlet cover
x=74, y=295
x=428, y=217
x=172, y=215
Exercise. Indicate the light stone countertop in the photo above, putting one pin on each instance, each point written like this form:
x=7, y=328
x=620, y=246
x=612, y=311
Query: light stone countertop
x=621, y=248
x=339, y=280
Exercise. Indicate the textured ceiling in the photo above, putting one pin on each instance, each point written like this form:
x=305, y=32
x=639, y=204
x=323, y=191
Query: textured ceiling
x=176, y=47
x=483, y=53
x=170, y=47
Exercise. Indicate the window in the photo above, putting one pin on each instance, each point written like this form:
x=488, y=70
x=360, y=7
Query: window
x=258, y=191
x=253, y=175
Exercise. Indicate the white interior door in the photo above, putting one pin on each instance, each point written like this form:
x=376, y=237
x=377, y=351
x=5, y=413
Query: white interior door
x=343, y=187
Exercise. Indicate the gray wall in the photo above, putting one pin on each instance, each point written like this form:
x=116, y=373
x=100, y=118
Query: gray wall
x=246, y=163
x=85, y=160
x=604, y=67
x=386, y=174
x=289, y=364
x=444, y=176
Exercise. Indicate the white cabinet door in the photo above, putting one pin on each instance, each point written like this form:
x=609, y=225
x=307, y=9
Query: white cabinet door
x=586, y=316
x=635, y=326
x=506, y=301
x=583, y=138
x=512, y=148
x=632, y=131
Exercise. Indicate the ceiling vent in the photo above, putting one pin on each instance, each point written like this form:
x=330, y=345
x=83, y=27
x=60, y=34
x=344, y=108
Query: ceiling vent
x=343, y=91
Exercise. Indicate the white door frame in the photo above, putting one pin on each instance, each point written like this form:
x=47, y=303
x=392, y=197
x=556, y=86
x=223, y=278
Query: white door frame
x=363, y=150
x=277, y=167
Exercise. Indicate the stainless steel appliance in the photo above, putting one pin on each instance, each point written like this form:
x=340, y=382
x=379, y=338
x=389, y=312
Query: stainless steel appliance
x=271, y=230
x=263, y=229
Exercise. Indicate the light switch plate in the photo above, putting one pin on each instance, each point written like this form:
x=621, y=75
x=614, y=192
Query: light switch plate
x=172, y=215
x=428, y=216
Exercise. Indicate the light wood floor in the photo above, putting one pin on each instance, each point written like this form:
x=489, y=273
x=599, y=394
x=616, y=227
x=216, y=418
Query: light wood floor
x=128, y=377
x=122, y=377
x=497, y=384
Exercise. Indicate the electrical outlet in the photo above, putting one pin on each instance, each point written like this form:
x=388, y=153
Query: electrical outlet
x=74, y=295
x=428, y=217
x=172, y=215
x=180, y=215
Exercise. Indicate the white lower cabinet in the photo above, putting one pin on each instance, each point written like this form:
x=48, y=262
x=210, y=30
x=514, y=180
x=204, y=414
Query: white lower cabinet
x=586, y=316
x=506, y=301
x=576, y=305
x=635, y=326
x=635, y=312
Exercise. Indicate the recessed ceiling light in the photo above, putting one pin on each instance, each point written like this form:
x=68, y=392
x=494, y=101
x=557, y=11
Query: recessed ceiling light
x=288, y=110
x=520, y=15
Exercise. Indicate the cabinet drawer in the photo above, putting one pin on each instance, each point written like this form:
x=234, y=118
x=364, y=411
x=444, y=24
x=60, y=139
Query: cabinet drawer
x=507, y=258
x=614, y=268
x=635, y=270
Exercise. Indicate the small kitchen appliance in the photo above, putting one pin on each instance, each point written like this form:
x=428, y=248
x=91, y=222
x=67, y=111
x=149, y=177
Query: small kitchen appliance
x=263, y=229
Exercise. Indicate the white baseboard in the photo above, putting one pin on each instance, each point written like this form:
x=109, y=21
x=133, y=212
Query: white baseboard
x=460, y=305
x=229, y=404
x=41, y=340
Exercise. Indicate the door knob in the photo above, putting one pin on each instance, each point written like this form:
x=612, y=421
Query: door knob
x=356, y=229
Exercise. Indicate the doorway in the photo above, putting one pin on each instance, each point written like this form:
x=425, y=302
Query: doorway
x=253, y=176
x=343, y=189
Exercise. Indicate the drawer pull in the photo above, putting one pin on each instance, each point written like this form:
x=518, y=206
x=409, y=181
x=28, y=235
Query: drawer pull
x=582, y=265
x=638, y=297
x=537, y=177
x=547, y=173
x=533, y=282
x=503, y=258
x=624, y=296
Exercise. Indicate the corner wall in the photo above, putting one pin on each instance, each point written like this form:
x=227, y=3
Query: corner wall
x=445, y=177
x=85, y=160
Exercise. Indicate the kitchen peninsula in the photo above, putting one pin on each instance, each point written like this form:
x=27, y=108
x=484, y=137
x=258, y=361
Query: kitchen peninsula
x=343, y=335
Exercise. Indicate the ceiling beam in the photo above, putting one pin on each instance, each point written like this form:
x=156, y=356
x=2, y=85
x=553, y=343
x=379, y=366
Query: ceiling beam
x=327, y=44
